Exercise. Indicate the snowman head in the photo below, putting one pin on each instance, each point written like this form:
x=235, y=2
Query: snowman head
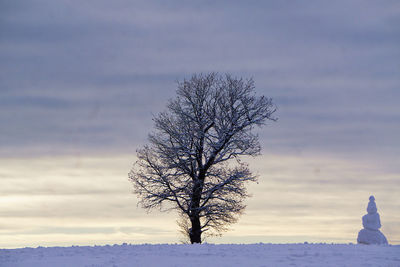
x=371, y=209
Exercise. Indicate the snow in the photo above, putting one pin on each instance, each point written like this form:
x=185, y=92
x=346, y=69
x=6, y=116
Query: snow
x=205, y=255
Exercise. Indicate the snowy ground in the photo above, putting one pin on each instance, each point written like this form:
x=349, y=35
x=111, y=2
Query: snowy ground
x=205, y=255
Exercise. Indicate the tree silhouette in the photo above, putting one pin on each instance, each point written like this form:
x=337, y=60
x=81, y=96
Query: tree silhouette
x=192, y=163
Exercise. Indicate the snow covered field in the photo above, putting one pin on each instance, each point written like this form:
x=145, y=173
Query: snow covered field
x=205, y=255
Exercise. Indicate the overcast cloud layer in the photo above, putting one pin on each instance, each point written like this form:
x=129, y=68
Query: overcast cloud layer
x=83, y=78
x=87, y=76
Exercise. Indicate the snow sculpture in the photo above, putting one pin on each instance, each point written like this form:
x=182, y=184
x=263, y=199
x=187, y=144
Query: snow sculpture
x=371, y=223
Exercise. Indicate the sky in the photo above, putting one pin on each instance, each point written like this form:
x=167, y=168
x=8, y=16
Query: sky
x=80, y=82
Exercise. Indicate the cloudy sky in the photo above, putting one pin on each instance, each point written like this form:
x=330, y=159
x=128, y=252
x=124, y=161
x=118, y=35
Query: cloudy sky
x=81, y=80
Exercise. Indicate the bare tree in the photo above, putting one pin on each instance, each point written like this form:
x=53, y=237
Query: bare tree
x=192, y=162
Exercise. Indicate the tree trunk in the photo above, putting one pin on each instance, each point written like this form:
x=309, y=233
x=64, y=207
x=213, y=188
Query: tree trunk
x=195, y=231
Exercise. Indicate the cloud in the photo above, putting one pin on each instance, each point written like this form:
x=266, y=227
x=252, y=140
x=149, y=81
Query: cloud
x=83, y=79
x=89, y=77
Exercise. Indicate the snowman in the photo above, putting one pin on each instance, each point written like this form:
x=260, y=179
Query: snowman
x=371, y=223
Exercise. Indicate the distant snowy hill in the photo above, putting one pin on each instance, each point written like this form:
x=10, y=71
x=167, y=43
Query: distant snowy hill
x=204, y=255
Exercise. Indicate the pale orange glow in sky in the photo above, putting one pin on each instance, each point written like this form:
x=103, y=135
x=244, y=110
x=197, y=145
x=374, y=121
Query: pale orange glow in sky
x=52, y=201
